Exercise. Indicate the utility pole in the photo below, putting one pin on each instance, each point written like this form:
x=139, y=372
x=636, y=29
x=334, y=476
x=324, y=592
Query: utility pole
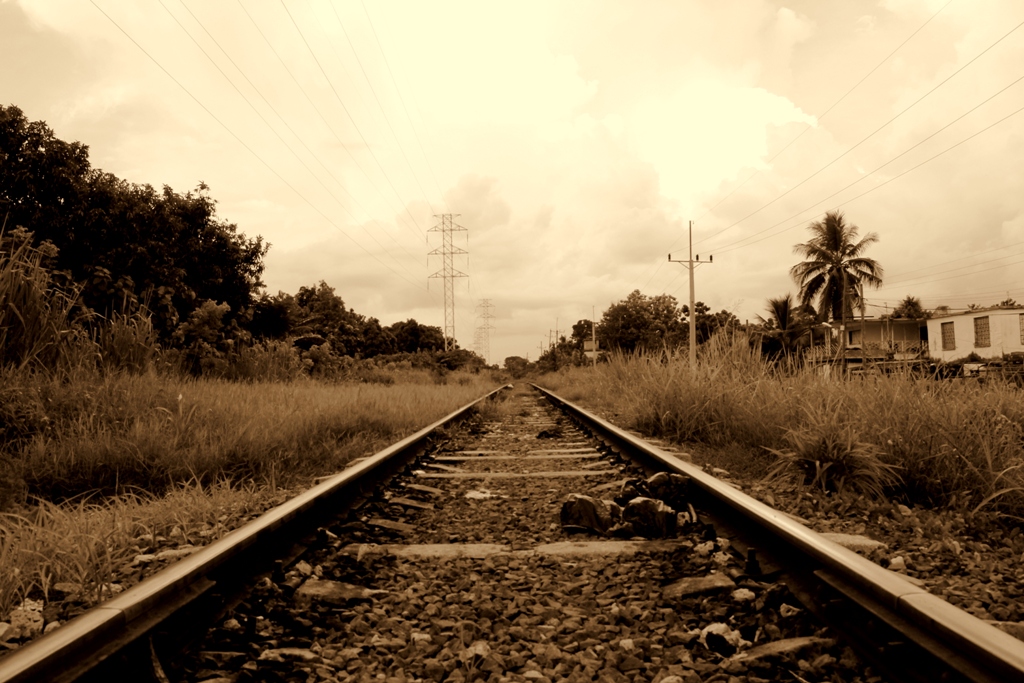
x=483, y=330
x=863, y=333
x=447, y=251
x=842, y=327
x=593, y=332
x=554, y=347
x=691, y=263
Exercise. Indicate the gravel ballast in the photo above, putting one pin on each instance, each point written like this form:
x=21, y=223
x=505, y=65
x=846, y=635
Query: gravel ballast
x=496, y=590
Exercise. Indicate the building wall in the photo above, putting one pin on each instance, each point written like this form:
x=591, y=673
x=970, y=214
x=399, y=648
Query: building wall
x=1004, y=333
x=884, y=331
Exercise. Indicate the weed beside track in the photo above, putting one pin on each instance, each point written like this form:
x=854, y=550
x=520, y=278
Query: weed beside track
x=955, y=444
x=119, y=466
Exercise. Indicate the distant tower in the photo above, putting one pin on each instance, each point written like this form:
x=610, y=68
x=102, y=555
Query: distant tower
x=482, y=338
x=447, y=251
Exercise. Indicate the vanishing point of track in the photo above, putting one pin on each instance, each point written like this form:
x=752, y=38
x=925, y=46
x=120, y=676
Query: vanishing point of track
x=441, y=558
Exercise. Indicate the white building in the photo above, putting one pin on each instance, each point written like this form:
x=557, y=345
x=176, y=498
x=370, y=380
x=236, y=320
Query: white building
x=989, y=333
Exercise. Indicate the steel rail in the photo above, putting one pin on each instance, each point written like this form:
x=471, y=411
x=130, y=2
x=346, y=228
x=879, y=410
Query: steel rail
x=75, y=649
x=902, y=629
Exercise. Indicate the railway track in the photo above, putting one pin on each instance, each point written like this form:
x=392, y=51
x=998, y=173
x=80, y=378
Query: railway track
x=443, y=558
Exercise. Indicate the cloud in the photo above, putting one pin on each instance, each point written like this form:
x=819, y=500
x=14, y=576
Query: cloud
x=575, y=139
x=479, y=202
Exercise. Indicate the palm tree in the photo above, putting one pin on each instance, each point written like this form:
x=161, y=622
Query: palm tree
x=910, y=307
x=835, y=270
x=785, y=323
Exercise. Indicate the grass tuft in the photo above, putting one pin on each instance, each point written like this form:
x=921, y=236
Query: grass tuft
x=827, y=452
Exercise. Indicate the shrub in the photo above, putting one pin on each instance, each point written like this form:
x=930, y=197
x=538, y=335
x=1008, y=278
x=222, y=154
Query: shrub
x=828, y=452
x=126, y=342
x=268, y=361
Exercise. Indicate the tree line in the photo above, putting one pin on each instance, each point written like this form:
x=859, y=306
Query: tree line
x=636, y=324
x=124, y=251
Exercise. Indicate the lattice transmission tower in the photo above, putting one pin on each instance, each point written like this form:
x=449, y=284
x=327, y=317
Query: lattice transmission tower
x=482, y=338
x=448, y=251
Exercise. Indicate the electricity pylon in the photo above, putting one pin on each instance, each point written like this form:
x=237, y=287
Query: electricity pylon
x=448, y=251
x=482, y=338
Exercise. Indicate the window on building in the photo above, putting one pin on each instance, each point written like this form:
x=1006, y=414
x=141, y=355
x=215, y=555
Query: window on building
x=982, y=338
x=855, y=336
x=948, y=338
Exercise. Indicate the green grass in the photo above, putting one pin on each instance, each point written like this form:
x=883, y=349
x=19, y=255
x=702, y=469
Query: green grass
x=924, y=441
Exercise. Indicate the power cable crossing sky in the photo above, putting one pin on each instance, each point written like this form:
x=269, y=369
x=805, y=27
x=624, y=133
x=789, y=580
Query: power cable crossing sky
x=571, y=156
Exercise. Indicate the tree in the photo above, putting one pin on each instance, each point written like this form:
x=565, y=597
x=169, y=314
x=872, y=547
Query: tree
x=642, y=323
x=274, y=317
x=375, y=340
x=835, y=271
x=461, y=359
x=324, y=314
x=40, y=175
x=124, y=243
x=562, y=353
x=910, y=307
x=707, y=323
x=785, y=323
x=582, y=331
x=517, y=366
x=411, y=337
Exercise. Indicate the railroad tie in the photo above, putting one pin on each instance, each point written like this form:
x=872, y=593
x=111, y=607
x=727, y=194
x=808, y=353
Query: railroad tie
x=488, y=458
x=442, y=467
x=424, y=489
x=410, y=503
x=515, y=475
x=484, y=550
x=392, y=525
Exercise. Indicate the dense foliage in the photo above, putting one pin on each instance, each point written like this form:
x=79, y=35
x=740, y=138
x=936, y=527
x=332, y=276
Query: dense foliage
x=94, y=257
x=654, y=323
x=124, y=242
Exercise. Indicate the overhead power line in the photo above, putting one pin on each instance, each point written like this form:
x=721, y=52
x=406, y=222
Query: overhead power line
x=740, y=243
x=248, y=148
x=953, y=277
x=737, y=245
x=271, y=127
x=387, y=120
x=398, y=90
x=831, y=107
x=867, y=137
x=944, y=263
x=801, y=133
x=369, y=148
x=319, y=113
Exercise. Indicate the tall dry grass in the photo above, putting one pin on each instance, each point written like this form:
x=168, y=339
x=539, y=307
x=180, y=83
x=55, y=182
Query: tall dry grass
x=117, y=432
x=33, y=309
x=196, y=456
x=80, y=548
x=950, y=442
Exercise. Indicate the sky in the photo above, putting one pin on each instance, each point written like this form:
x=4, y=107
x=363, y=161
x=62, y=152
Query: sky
x=575, y=141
